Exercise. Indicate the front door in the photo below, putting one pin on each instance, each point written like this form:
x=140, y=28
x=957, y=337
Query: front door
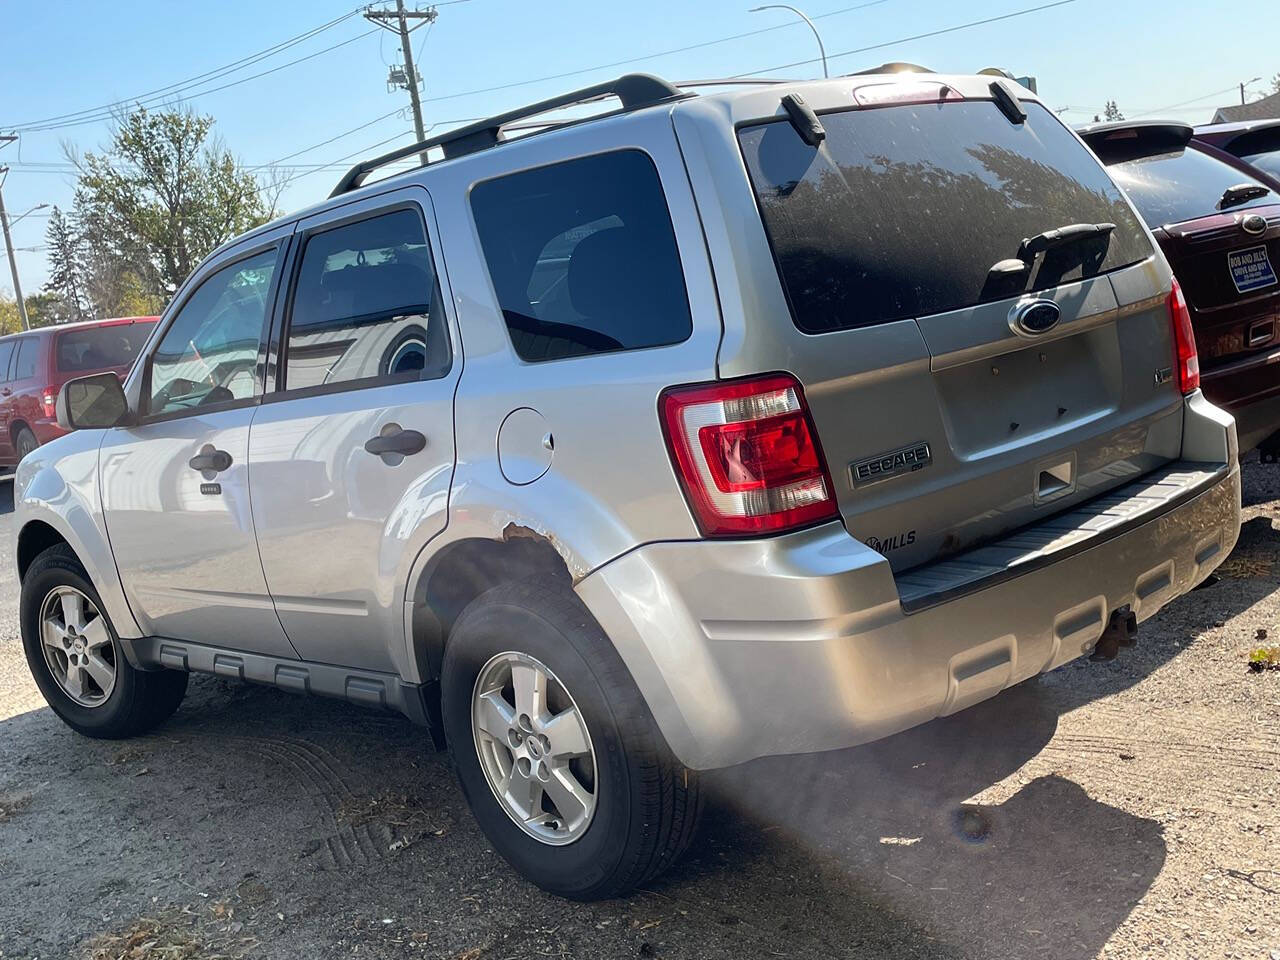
x=351, y=457
x=175, y=486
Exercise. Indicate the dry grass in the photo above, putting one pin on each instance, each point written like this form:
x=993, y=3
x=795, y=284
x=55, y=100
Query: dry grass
x=152, y=938
x=1248, y=564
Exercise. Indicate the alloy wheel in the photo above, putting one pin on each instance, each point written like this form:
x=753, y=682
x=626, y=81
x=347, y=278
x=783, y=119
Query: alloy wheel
x=534, y=748
x=77, y=646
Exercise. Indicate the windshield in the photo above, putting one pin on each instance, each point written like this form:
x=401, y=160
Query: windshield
x=903, y=210
x=1181, y=185
x=98, y=348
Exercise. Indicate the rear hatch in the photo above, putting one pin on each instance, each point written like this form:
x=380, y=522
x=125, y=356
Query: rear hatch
x=1219, y=226
x=945, y=419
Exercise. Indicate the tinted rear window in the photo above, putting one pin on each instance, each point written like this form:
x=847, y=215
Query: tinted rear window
x=583, y=257
x=903, y=210
x=1181, y=185
x=1268, y=161
x=96, y=348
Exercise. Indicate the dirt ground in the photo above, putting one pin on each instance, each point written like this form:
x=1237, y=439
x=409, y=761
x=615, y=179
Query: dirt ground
x=1109, y=810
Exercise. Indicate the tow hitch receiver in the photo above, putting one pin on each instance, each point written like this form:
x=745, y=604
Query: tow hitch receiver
x=1121, y=631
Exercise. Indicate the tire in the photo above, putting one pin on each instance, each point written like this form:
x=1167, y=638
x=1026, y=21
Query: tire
x=646, y=804
x=136, y=701
x=24, y=441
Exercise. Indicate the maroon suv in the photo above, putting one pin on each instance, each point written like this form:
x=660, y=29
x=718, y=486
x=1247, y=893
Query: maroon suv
x=34, y=366
x=1218, y=221
x=1256, y=142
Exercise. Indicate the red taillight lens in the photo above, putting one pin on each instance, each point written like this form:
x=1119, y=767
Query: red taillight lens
x=747, y=455
x=49, y=400
x=1184, y=338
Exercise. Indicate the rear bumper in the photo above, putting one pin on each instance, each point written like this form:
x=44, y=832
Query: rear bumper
x=1248, y=389
x=801, y=643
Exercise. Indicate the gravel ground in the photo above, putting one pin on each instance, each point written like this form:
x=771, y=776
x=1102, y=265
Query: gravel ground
x=1118, y=810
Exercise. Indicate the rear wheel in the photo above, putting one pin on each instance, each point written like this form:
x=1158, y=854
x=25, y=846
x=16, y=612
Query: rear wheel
x=559, y=757
x=24, y=442
x=76, y=658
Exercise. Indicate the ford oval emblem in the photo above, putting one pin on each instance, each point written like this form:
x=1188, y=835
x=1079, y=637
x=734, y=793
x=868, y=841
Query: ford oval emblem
x=1254, y=224
x=1031, y=318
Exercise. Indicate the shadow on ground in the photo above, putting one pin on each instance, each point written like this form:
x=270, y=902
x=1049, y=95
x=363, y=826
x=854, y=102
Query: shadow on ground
x=284, y=827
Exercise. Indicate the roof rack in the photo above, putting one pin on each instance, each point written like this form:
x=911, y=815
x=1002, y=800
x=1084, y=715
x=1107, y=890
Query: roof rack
x=633, y=91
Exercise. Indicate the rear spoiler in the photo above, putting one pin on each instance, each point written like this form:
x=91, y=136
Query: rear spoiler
x=1131, y=140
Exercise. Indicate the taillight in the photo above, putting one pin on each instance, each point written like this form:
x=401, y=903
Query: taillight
x=1184, y=339
x=747, y=455
x=49, y=401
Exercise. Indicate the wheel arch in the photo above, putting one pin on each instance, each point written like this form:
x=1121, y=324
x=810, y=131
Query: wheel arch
x=462, y=570
x=34, y=538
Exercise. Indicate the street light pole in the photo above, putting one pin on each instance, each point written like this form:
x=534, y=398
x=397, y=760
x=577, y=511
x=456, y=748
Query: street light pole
x=799, y=13
x=13, y=261
x=1245, y=84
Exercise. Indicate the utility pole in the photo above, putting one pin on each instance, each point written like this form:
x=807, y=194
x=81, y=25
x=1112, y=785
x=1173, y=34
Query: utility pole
x=397, y=21
x=8, y=243
x=1245, y=84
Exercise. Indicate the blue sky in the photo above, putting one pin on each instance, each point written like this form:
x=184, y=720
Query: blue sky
x=63, y=57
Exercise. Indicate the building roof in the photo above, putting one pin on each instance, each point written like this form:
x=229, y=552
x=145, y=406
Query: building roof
x=1265, y=109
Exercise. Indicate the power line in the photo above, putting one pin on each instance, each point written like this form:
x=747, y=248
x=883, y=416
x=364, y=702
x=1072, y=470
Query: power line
x=918, y=36
x=649, y=56
x=191, y=81
x=1216, y=93
x=200, y=93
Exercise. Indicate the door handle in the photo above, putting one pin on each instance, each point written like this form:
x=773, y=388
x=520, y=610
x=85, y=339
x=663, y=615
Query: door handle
x=6, y=391
x=403, y=442
x=210, y=459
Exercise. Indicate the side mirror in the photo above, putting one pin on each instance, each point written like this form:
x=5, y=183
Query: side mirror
x=92, y=402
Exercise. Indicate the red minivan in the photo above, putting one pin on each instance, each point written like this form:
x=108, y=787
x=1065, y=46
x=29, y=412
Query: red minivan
x=34, y=365
x=1217, y=219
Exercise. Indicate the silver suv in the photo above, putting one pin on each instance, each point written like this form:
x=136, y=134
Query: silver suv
x=713, y=427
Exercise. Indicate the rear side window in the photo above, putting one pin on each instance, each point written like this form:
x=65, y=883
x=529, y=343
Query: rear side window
x=24, y=363
x=1181, y=185
x=583, y=257
x=366, y=307
x=97, y=348
x=903, y=210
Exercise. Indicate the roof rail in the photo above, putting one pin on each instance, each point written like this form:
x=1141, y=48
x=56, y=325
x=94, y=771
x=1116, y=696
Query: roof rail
x=633, y=91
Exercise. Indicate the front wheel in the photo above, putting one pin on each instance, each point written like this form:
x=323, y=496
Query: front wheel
x=76, y=657
x=558, y=755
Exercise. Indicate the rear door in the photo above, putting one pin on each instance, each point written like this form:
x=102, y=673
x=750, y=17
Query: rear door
x=961, y=390
x=27, y=381
x=6, y=399
x=1220, y=228
x=351, y=454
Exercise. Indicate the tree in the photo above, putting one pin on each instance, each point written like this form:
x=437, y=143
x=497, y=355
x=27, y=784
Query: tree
x=161, y=196
x=1111, y=111
x=1275, y=83
x=65, y=280
x=10, y=322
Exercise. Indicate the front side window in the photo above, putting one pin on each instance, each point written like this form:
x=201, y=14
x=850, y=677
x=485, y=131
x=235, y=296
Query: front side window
x=903, y=210
x=208, y=355
x=366, y=307
x=6, y=355
x=583, y=257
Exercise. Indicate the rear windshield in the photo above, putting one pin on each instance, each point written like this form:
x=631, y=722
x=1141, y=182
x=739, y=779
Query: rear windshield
x=96, y=348
x=1181, y=185
x=903, y=210
x=1268, y=161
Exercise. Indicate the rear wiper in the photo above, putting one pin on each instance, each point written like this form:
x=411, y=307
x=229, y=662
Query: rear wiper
x=1004, y=273
x=1032, y=247
x=1240, y=193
